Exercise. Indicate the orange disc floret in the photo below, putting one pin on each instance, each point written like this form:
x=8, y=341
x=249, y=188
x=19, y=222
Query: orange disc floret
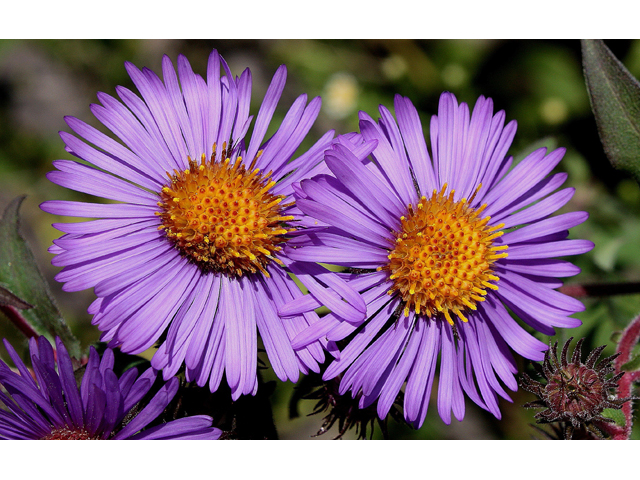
x=443, y=256
x=221, y=215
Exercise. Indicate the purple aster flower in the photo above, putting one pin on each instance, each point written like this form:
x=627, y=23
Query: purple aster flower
x=193, y=249
x=48, y=405
x=441, y=246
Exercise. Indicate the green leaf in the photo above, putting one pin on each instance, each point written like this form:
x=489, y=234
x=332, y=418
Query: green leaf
x=615, y=415
x=20, y=276
x=615, y=101
x=632, y=365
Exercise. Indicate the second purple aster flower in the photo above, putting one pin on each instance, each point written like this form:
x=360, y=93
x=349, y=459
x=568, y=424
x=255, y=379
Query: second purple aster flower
x=193, y=248
x=48, y=405
x=440, y=245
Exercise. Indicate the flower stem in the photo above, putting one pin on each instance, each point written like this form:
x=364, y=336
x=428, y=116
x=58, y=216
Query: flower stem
x=600, y=289
x=18, y=320
x=628, y=340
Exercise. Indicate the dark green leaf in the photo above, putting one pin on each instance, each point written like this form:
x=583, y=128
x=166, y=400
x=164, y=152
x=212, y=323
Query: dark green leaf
x=21, y=276
x=632, y=365
x=615, y=101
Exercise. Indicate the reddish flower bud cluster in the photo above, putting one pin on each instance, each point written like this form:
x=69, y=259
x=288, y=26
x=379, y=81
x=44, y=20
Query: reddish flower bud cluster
x=575, y=393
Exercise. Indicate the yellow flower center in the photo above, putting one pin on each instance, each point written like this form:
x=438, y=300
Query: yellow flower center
x=222, y=217
x=443, y=256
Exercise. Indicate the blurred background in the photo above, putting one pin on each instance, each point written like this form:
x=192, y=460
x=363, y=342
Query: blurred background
x=538, y=83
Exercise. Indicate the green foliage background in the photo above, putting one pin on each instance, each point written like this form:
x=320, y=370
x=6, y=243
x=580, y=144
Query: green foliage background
x=538, y=83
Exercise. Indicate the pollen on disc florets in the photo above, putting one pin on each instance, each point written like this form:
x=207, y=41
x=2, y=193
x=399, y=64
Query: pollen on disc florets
x=66, y=433
x=221, y=215
x=442, y=259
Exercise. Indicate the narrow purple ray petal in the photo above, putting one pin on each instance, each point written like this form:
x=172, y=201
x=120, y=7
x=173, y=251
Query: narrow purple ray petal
x=94, y=182
x=352, y=308
x=363, y=338
x=178, y=103
x=198, y=339
x=411, y=129
x=196, y=427
x=385, y=157
x=525, y=175
x=156, y=405
x=267, y=109
x=70, y=388
x=545, y=227
x=119, y=160
x=420, y=380
x=550, y=249
x=373, y=194
x=388, y=352
x=541, y=267
x=96, y=210
x=541, y=209
x=512, y=333
x=274, y=336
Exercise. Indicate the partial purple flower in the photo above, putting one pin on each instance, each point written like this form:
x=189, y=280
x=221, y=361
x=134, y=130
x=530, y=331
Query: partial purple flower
x=440, y=245
x=48, y=405
x=193, y=248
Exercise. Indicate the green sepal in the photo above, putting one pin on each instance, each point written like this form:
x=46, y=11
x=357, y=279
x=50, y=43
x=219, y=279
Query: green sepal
x=20, y=276
x=614, y=414
x=615, y=100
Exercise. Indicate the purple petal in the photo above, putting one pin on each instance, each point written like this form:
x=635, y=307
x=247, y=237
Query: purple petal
x=420, y=379
x=266, y=110
x=549, y=249
x=194, y=427
x=411, y=129
x=149, y=413
x=545, y=227
x=274, y=336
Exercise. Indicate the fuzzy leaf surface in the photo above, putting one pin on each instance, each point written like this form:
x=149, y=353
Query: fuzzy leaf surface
x=20, y=276
x=615, y=100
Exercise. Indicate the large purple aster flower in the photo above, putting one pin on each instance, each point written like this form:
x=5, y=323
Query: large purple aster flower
x=442, y=245
x=193, y=249
x=50, y=406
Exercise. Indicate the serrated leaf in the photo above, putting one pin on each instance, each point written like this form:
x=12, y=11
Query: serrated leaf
x=615, y=415
x=632, y=365
x=615, y=100
x=20, y=275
